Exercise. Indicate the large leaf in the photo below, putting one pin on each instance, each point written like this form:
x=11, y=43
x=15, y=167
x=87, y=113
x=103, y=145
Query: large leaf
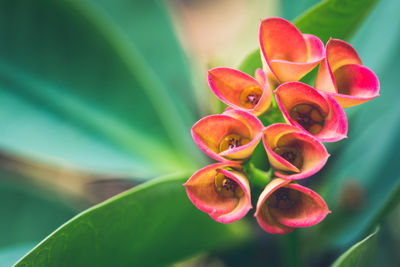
x=360, y=254
x=97, y=85
x=329, y=18
x=151, y=225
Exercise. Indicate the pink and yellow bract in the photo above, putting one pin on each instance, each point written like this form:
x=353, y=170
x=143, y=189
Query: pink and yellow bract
x=328, y=113
x=209, y=133
x=296, y=146
x=201, y=191
x=241, y=91
x=287, y=53
x=284, y=206
x=342, y=75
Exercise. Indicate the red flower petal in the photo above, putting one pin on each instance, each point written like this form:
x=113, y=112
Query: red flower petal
x=201, y=191
x=342, y=75
x=334, y=123
x=288, y=54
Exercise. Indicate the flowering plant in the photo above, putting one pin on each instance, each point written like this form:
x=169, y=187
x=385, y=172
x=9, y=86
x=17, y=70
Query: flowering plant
x=294, y=150
x=284, y=167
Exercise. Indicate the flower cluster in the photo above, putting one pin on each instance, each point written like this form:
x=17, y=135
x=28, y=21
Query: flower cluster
x=294, y=149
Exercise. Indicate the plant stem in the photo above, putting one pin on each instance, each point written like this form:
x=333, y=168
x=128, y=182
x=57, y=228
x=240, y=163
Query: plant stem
x=256, y=176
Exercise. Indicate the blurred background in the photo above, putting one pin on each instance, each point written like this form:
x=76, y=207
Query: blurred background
x=99, y=96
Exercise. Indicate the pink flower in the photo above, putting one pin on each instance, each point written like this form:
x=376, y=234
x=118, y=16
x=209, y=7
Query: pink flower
x=312, y=111
x=230, y=136
x=283, y=206
x=293, y=153
x=343, y=76
x=241, y=91
x=221, y=190
x=288, y=54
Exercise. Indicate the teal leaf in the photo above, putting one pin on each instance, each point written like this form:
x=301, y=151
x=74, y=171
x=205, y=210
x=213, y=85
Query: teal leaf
x=153, y=224
x=334, y=18
x=28, y=214
x=99, y=86
x=391, y=203
x=360, y=254
x=9, y=255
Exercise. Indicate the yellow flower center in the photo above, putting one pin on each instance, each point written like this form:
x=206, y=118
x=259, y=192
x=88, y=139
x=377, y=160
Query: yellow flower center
x=226, y=187
x=309, y=117
x=250, y=97
x=283, y=198
x=232, y=141
x=291, y=154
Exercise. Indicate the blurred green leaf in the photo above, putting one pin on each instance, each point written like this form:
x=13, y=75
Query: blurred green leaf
x=251, y=63
x=334, y=18
x=101, y=86
x=390, y=204
x=9, y=255
x=360, y=254
x=290, y=9
x=152, y=225
x=329, y=18
x=28, y=214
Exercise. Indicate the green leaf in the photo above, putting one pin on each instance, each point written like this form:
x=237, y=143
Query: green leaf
x=154, y=224
x=101, y=86
x=360, y=254
x=334, y=18
x=329, y=18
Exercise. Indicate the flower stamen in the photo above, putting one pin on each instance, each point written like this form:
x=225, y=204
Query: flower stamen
x=232, y=141
x=226, y=187
x=283, y=198
x=309, y=117
x=291, y=154
x=250, y=96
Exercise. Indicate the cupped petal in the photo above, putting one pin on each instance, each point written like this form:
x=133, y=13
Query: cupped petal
x=201, y=190
x=271, y=136
x=283, y=206
x=340, y=53
x=287, y=71
x=288, y=54
x=315, y=48
x=341, y=74
x=308, y=208
x=214, y=134
x=312, y=153
x=323, y=116
x=244, y=203
x=263, y=216
x=241, y=91
x=335, y=127
x=356, y=84
x=255, y=127
x=280, y=39
x=266, y=98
